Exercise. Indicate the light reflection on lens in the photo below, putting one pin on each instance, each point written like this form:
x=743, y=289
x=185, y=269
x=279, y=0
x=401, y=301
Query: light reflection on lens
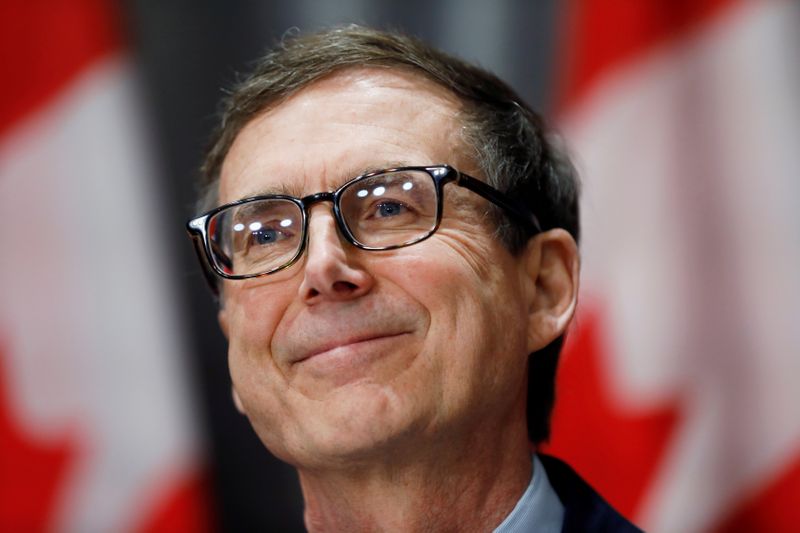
x=362, y=193
x=255, y=226
x=407, y=186
x=285, y=223
x=378, y=191
x=238, y=227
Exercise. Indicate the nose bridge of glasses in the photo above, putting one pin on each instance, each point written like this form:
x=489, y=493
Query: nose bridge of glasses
x=312, y=199
x=309, y=201
x=316, y=198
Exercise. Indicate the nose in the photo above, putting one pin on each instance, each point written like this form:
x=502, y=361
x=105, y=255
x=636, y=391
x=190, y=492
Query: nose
x=332, y=272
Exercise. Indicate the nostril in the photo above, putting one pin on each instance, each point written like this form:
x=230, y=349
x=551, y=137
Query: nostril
x=344, y=286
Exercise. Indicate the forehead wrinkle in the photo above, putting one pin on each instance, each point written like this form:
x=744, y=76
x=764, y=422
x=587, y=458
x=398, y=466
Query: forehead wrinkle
x=251, y=173
x=287, y=188
x=347, y=163
x=298, y=189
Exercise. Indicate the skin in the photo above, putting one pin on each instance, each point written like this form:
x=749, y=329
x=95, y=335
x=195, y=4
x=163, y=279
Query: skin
x=394, y=381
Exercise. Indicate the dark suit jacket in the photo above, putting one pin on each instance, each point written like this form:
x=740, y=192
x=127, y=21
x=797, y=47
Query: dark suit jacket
x=584, y=509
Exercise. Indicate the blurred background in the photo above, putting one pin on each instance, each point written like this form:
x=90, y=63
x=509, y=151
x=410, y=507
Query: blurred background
x=679, y=388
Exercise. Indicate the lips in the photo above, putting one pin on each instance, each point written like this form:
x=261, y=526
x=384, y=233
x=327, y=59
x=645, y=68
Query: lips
x=351, y=342
x=345, y=332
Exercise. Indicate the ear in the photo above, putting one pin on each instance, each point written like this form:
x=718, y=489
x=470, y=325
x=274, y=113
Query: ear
x=552, y=266
x=236, y=400
x=222, y=318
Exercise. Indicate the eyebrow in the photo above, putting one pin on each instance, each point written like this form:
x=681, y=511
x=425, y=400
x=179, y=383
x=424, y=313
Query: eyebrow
x=293, y=188
x=288, y=189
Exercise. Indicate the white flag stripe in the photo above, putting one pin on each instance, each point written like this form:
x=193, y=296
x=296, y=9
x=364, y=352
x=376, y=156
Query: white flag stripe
x=94, y=345
x=692, y=239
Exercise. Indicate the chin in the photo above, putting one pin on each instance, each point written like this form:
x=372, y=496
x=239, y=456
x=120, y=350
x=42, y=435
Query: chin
x=356, y=424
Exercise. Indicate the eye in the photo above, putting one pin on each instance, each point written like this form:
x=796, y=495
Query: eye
x=265, y=236
x=269, y=235
x=258, y=235
x=390, y=209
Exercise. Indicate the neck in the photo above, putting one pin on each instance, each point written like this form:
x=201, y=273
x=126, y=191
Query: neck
x=472, y=487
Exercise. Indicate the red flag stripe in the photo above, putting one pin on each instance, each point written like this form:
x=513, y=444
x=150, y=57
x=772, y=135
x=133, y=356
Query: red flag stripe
x=44, y=45
x=600, y=35
x=604, y=441
x=32, y=469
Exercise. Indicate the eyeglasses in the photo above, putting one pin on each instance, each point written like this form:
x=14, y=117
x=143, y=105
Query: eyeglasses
x=380, y=210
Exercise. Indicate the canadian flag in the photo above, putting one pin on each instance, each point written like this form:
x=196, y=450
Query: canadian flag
x=679, y=393
x=96, y=428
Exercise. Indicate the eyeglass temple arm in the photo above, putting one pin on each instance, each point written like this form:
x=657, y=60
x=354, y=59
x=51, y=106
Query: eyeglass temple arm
x=516, y=208
x=210, y=277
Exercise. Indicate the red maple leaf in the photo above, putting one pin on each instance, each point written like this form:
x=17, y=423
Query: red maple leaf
x=31, y=471
x=615, y=448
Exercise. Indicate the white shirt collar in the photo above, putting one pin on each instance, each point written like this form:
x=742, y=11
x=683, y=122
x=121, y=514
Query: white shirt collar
x=539, y=508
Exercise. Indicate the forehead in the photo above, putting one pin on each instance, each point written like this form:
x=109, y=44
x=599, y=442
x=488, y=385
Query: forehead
x=343, y=125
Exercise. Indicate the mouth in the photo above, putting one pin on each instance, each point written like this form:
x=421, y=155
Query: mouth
x=348, y=344
x=346, y=359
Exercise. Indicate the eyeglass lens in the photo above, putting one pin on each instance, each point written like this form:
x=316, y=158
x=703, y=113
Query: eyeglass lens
x=256, y=236
x=382, y=211
x=390, y=210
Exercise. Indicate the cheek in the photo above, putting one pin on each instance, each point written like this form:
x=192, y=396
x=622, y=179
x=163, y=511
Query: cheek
x=471, y=301
x=260, y=390
x=478, y=318
x=251, y=328
x=257, y=379
x=255, y=312
x=451, y=273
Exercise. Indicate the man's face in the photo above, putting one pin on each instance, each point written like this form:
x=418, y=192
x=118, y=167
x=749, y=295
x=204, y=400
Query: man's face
x=350, y=353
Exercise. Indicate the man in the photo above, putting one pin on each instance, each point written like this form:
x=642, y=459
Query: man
x=393, y=239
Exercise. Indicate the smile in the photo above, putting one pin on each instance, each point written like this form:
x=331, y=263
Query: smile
x=347, y=357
